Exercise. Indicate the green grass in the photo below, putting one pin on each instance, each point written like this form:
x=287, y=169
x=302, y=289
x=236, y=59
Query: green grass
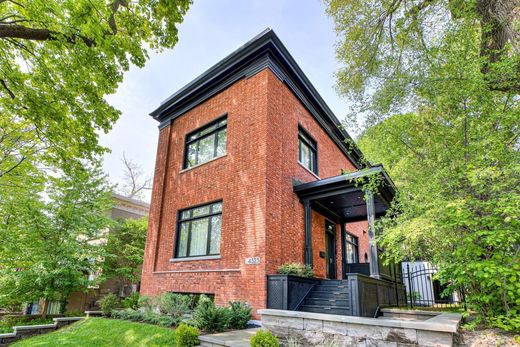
x=98, y=332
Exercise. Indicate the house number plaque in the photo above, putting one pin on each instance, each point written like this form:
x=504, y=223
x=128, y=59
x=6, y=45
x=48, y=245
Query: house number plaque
x=252, y=261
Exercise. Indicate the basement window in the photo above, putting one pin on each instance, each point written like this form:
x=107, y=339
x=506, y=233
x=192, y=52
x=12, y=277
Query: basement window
x=199, y=230
x=307, y=151
x=206, y=143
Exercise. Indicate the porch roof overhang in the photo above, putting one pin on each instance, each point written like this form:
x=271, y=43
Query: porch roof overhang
x=341, y=198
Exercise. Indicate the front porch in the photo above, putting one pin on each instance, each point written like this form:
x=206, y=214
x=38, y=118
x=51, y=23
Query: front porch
x=362, y=284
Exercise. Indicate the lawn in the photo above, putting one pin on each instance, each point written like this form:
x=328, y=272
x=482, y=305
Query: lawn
x=97, y=332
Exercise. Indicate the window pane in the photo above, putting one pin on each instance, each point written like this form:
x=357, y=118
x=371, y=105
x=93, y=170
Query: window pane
x=200, y=211
x=216, y=223
x=185, y=214
x=206, y=149
x=207, y=130
x=192, y=154
x=222, y=137
x=183, y=240
x=223, y=122
x=217, y=207
x=305, y=155
x=199, y=237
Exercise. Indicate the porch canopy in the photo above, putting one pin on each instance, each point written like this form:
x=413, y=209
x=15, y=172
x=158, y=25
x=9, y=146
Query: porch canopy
x=345, y=199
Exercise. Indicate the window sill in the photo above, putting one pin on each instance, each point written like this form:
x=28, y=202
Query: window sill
x=309, y=171
x=206, y=257
x=204, y=163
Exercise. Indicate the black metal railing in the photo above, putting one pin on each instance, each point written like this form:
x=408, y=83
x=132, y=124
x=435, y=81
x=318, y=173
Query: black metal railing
x=424, y=290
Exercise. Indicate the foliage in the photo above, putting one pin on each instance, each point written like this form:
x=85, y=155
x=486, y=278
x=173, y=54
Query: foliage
x=173, y=304
x=443, y=113
x=8, y=322
x=264, y=338
x=145, y=317
x=60, y=59
x=186, y=336
x=95, y=332
x=239, y=315
x=209, y=317
x=145, y=302
x=74, y=313
x=296, y=269
x=50, y=235
x=124, y=251
x=131, y=301
x=391, y=50
x=108, y=303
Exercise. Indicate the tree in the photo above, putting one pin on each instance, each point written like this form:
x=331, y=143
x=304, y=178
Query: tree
x=125, y=251
x=437, y=84
x=391, y=49
x=49, y=237
x=59, y=59
x=134, y=184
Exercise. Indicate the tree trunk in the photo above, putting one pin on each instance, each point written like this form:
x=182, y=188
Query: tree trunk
x=44, y=308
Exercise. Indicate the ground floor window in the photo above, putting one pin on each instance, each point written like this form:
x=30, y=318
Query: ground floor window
x=199, y=230
x=351, y=249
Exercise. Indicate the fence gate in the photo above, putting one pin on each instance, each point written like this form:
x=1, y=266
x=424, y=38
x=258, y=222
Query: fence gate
x=422, y=290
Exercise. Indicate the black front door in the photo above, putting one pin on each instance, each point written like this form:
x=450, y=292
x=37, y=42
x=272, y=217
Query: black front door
x=330, y=244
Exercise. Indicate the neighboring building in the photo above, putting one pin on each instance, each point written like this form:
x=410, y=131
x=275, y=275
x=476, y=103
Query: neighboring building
x=124, y=208
x=250, y=175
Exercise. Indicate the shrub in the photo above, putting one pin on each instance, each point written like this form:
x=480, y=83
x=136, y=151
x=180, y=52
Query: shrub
x=239, y=315
x=173, y=305
x=264, y=338
x=108, y=303
x=131, y=301
x=209, y=317
x=145, y=302
x=296, y=269
x=74, y=313
x=146, y=317
x=186, y=336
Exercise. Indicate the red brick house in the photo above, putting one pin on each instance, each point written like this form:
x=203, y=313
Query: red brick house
x=248, y=177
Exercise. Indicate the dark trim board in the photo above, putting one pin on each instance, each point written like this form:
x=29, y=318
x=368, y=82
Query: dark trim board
x=264, y=51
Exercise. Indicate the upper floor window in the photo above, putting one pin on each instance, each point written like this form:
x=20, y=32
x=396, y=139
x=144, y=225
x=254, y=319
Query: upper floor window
x=206, y=143
x=198, y=231
x=307, y=151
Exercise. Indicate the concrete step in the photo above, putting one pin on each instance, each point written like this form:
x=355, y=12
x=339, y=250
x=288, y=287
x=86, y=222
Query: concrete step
x=326, y=301
x=325, y=309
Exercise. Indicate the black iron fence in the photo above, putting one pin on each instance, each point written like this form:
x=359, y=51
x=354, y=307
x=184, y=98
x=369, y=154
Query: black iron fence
x=424, y=290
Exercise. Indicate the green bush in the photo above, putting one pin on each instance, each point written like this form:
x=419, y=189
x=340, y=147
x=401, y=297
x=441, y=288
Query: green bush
x=146, y=317
x=209, y=317
x=8, y=322
x=108, y=303
x=239, y=315
x=264, y=338
x=173, y=305
x=132, y=301
x=74, y=313
x=296, y=269
x=186, y=336
x=145, y=302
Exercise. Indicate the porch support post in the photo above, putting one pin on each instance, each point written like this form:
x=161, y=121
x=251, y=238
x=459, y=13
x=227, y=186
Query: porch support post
x=308, y=236
x=343, y=253
x=371, y=216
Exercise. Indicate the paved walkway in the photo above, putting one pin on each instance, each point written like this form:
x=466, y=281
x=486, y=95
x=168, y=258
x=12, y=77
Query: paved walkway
x=235, y=338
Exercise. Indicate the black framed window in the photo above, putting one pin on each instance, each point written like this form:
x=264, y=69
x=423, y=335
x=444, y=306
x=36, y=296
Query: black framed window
x=206, y=143
x=351, y=249
x=199, y=230
x=307, y=151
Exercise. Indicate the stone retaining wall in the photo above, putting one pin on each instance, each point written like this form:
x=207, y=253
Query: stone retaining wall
x=315, y=329
x=25, y=331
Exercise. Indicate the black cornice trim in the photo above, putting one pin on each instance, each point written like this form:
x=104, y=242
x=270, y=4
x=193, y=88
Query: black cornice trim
x=264, y=51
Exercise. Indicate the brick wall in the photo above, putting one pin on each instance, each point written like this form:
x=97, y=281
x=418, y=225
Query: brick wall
x=261, y=214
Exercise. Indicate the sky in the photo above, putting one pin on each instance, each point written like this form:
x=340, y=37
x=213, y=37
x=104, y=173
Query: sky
x=210, y=31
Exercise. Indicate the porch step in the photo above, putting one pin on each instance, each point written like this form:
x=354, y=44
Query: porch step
x=325, y=309
x=327, y=302
x=329, y=296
